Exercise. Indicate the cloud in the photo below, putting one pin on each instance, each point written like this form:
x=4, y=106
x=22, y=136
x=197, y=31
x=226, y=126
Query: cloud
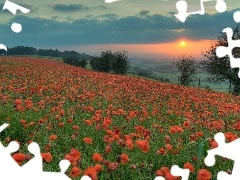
x=108, y=16
x=101, y=7
x=70, y=7
x=154, y=28
x=75, y=7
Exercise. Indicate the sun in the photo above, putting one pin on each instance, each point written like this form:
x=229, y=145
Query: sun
x=183, y=43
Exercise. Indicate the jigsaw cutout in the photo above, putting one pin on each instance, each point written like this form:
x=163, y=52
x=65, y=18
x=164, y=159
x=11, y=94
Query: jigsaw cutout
x=12, y=7
x=177, y=171
x=182, y=8
x=11, y=170
x=159, y=178
x=222, y=51
x=236, y=16
x=86, y=178
x=227, y=150
x=111, y=1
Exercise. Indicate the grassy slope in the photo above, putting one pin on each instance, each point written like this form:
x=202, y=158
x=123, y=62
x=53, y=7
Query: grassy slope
x=169, y=69
x=159, y=106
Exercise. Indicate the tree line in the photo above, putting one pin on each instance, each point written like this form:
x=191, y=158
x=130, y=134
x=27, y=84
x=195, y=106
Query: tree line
x=25, y=50
x=111, y=62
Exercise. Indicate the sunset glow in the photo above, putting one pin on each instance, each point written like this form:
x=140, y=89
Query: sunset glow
x=170, y=49
x=183, y=43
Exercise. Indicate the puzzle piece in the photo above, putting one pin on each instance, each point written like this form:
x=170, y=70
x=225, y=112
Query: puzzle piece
x=5, y=155
x=16, y=27
x=182, y=8
x=6, y=159
x=36, y=161
x=111, y=1
x=236, y=16
x=177, y=171
x=10, y=170
x=5, y=125
x=12, y=7
x=86, y=178
x=2, y=46
x=13, y=146
x=7, y=163
x=227, y=150
x=159, y=178
x=64, y=165
x=222, y=51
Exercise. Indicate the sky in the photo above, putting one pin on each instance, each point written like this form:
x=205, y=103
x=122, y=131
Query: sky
x=145, y=28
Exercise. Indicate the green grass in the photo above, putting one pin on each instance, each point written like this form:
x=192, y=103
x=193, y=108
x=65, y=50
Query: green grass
x=70, y=89
x=36, y=56
x=170, y=72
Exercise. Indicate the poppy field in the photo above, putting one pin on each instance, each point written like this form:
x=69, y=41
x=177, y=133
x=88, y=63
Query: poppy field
x=111, y=126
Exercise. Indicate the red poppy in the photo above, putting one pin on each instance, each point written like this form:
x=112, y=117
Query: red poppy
x=97, y=157
x=91, y=172
x=124, y=158
x=204, y=174
x=19, y=157
x=47, y=157
x=75, y=172
x=75, y=154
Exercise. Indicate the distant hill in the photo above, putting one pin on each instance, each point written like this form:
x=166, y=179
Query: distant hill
x=25, y=50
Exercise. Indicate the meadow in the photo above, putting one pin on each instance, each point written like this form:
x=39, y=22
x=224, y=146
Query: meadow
x=166, y=69
x=111, y=126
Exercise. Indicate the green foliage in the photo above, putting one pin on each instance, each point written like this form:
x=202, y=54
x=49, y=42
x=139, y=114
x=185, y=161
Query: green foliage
x=119, y=62
x=202, y=151
x=104, y=61
x=219, y=68
x=116, y=62
x=187, y=66
x=93, y=63
x=83, y=63
x=25, y=50
x=75, y=61
x=21, y=50
x=100, y=64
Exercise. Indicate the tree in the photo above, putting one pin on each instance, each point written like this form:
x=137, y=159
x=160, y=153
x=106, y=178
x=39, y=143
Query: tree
x=119, y=63
x=187, y=67
x=219, y=68
x=72, y=61
x=83, y=63
x=104, y=61
x=93, y=63
x=116, y=62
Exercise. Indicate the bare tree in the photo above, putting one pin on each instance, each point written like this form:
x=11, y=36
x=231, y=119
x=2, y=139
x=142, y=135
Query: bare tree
x=219, y=68
x=187, y=67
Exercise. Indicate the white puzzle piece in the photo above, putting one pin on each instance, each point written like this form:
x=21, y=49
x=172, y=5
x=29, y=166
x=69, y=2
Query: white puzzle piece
x=182, y=8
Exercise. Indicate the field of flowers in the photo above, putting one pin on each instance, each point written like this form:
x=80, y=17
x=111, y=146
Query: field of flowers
x=111, y=126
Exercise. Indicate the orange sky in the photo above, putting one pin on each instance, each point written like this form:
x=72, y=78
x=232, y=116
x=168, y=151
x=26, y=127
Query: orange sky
x=171, y=49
